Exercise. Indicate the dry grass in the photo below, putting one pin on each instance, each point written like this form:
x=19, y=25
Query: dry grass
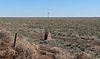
x=83, y=55
x=25, y=50
x=6, y=50
x=79, y=35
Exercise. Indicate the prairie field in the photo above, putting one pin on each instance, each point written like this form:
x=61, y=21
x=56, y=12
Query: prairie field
x=71, y=37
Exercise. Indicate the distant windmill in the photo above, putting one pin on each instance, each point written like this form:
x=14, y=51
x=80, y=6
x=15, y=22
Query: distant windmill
x=48, y=15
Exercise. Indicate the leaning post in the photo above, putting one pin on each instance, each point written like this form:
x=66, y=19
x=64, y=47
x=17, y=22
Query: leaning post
x=15, y=40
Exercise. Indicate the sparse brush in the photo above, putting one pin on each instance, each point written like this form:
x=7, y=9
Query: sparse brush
x=22, y=50
x=25, y=50
x=51, y=52
x=76, y=34
x=83, y=55
x=6, y=50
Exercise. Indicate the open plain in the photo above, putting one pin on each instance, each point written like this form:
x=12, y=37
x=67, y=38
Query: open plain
x=70, y=37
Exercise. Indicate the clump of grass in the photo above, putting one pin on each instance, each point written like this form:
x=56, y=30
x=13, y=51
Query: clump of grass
x=83, y=55
x=22, y=50
x=6, y=50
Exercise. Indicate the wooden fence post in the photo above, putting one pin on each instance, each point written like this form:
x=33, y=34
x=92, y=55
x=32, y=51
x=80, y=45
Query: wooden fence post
x=14, y=43
x=15, y=40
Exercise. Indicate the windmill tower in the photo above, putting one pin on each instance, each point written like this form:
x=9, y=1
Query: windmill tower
x=48, y=15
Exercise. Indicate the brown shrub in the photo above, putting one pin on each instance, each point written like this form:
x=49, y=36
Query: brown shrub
x=69, y=54
x=24, y=50
x=51, y=53
x=83, y=55
x=5, y=38
x=6, y=50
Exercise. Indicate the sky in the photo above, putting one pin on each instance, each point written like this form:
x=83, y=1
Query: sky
x=56, y=8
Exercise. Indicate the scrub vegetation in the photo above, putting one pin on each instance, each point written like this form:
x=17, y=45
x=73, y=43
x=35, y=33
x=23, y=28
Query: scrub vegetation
x=70, y=38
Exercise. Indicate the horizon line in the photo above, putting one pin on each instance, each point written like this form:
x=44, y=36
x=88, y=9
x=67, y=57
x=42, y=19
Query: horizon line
x=50, y=16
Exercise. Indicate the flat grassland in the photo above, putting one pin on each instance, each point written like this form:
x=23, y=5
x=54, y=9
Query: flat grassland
x=57, y=26
x=74, y=33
